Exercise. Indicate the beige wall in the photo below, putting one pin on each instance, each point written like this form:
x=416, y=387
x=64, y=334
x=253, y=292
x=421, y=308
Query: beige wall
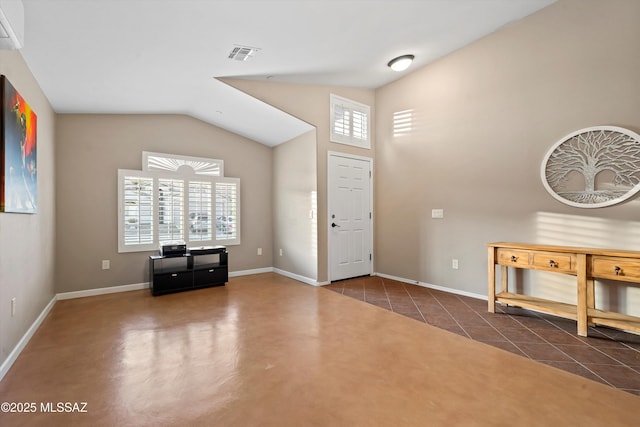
x=91, y=149
x=27, y=241
x=311, y=104
x=295, y=230
x=484, y=117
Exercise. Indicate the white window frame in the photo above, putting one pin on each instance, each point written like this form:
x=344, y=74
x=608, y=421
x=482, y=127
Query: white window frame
x=349, y=137
x=186, y=177
x=172, y=162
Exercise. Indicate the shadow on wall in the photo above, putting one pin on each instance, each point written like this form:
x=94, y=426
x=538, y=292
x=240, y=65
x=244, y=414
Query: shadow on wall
x=576, y=230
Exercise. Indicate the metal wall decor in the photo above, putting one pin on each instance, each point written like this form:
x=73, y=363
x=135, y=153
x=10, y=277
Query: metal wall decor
x=593, y=167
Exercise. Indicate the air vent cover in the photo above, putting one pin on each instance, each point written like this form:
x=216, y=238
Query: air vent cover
x=11, y=24
x=243, y=53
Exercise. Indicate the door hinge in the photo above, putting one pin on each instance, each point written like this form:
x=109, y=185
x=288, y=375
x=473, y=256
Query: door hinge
x=369, y=215
x=370, y=257
x=369, y=174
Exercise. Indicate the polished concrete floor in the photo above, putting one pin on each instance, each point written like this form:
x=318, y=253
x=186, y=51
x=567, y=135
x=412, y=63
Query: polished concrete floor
x=607, y=355
x=269, y=351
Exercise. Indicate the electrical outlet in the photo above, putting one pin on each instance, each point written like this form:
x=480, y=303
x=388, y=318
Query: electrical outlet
x=280, y=251
x=259, y=251
x=437, y=213
x=13, y=306
x=106, y=264
x=454, y=264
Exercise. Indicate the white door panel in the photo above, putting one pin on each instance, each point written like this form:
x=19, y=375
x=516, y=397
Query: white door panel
x=350, y=211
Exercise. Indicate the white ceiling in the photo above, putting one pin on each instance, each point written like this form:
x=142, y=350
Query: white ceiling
x=163, y=56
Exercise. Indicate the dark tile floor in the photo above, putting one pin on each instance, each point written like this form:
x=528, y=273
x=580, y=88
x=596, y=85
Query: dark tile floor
x=607, y=355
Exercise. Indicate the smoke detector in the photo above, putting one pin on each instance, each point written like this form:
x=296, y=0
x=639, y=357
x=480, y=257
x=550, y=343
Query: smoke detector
x=243, y=53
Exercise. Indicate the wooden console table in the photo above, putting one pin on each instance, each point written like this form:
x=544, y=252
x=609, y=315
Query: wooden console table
x=587, y=264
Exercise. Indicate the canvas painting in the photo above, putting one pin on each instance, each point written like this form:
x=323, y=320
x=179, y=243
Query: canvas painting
x=18, y=163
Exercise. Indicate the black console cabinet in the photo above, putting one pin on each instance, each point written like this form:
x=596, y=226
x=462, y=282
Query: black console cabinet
x=195, y=269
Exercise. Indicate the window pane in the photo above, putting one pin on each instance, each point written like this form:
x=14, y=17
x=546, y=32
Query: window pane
x=173, y=163
x=350, y=122
x=200, y=211
x=138, y=210
x=341, y=121
x=226, y=211
x=170, y=209
x=359, y=125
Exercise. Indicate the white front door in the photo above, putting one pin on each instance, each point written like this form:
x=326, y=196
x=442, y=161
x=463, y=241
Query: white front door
x=350, y=216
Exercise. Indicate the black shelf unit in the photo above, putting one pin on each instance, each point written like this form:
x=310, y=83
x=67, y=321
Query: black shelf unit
x=169, y=274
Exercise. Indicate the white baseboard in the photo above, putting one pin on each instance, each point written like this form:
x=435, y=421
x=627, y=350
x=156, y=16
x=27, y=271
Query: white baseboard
x=6, y=365
x=102, y=291
x=249, y=272
x=138, y=286
x=9, y=361
x=436, y=287
x=297, y=277
x=145, y=285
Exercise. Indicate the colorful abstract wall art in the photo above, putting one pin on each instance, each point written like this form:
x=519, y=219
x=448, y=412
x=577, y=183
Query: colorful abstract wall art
x=18, y=164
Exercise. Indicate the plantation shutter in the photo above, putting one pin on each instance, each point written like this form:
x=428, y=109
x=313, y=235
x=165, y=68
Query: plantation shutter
x=170, y=209
x=349, y=122
x=138, y=210
x=170, y=203
x=227, y=208
x=200, y=201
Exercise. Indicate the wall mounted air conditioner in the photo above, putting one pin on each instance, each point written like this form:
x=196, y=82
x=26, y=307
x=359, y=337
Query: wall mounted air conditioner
x=11, y=24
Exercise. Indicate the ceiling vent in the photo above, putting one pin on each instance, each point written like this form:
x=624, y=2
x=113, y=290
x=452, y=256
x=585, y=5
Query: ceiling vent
x=243, y=53
x=11, y=24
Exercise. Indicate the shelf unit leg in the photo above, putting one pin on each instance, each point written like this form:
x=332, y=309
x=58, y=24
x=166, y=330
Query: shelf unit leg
x=591, y=299
x=492, y=280
x=504, y=278
x=582, y=294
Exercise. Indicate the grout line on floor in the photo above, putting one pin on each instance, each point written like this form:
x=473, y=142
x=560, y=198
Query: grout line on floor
x=449, y=313
x=451, y=307
x=414, y=303
x=387, y=295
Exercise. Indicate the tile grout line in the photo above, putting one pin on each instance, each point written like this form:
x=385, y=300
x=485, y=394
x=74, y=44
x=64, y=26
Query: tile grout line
x=586, y=343
x=555, y=347
x=543, y=339
x=522, y=326
x=498, y=330
x=449, y=313
x=364, y=290
x=386, y=294
x=414, y=303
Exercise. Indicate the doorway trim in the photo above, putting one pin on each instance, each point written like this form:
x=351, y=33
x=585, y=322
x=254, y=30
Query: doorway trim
x=329, y=206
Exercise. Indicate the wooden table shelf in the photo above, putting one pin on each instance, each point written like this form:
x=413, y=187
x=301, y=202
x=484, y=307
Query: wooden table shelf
x=540, y=304
x=586, y=264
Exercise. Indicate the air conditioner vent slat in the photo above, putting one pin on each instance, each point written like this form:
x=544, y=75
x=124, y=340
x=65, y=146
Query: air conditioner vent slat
x=242, y=53
x=11, y=24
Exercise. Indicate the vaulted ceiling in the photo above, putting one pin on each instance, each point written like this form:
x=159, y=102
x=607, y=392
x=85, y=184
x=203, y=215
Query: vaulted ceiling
x=164, y=56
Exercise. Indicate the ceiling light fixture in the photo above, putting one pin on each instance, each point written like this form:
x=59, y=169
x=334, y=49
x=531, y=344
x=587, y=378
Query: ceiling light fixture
x=401, y=63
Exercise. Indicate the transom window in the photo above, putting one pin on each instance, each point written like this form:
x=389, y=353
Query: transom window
x=173, y=163
x=350, y=122
x=177, y=198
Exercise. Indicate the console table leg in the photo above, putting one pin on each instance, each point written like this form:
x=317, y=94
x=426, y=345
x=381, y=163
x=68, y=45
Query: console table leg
x=591, y=299
x=504, y=278
x=492, y=280
x=582, y=295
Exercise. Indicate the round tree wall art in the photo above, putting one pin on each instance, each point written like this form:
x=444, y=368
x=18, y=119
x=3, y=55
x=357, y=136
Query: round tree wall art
x=593, y=167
